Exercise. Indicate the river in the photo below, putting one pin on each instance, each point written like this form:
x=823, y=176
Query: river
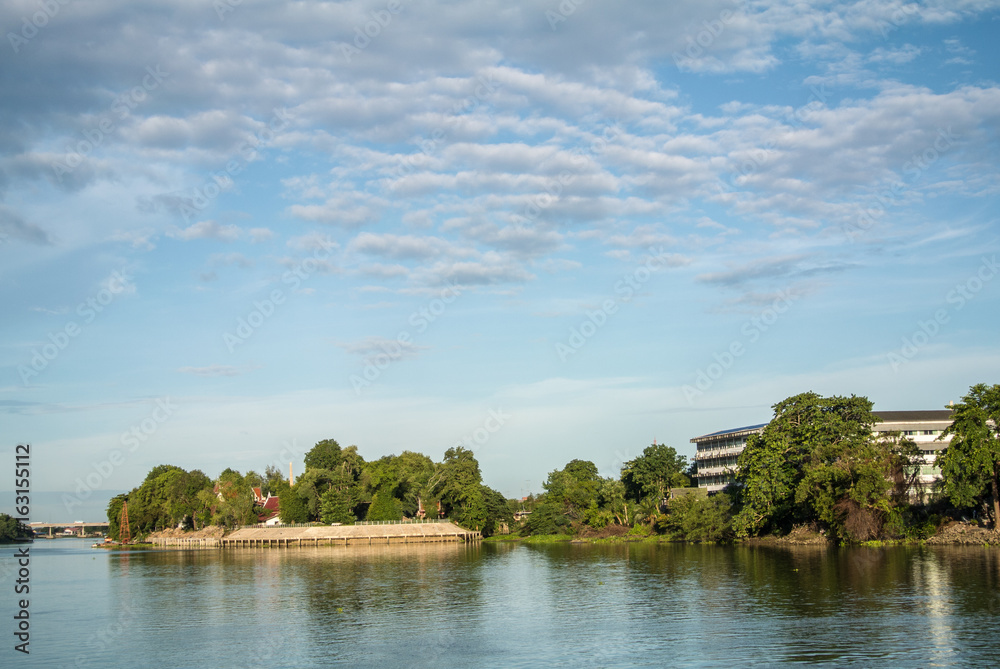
x=508, y=605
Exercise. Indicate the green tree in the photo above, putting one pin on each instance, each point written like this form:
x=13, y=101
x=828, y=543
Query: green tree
x=654, y=473
x=292, y=507
x=546, y=518
x=457, y=484
x=384, y=507
x=818, y=460
x=611, y=495
x=574, y=488
x=325, y=454
x=696, y=518
x=11, y=529
x=274, y=481
x=335, y=507
x=114, y=512
x=970, y=464
x=404, y=476
x=497, y=512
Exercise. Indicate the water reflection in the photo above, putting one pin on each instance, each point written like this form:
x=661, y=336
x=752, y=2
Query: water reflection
x=519, y=605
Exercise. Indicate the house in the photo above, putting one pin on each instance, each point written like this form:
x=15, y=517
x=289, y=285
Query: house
x=270, y=506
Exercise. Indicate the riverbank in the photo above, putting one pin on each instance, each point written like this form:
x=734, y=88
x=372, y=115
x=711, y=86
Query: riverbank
x=956, y=533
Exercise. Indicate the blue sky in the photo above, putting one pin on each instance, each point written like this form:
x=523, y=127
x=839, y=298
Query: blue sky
x=545, y=231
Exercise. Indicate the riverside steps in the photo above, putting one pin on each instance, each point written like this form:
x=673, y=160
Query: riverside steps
x=374, y=534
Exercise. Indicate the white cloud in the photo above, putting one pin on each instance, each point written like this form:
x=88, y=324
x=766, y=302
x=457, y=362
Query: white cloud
x=206, y=230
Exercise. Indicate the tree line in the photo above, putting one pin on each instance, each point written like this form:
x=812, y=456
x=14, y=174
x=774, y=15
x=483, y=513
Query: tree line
x=337, y=486
x=819, y=463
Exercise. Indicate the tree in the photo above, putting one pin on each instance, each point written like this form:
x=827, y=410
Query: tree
x=497, y=512
x=457, y=484
x=325, y=454
x=384, y=507
x=274, y=481
x=546, y=518
x=818, y=460
x=114, y=512
x=654, y=473
x=335, y=507
x=694, y=518
x=612, y=496
x=169, y=496
x=12, y=529
x=970, y=464
x=404, y=476
x=573, y=488
x=292, y=507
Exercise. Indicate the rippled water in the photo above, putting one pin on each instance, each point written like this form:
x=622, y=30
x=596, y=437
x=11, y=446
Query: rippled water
x=510, y=605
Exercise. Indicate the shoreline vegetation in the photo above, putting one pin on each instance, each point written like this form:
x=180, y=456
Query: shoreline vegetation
x=818, y=474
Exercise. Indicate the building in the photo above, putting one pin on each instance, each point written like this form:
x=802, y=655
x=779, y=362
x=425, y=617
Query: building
x=924, y=428
x=716, y=453
x=269, y=507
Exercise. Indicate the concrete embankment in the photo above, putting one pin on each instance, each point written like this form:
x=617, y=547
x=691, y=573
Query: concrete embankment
x=345, y=535
x=182, y=542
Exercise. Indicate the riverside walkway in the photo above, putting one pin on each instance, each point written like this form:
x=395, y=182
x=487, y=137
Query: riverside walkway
x=364, y=534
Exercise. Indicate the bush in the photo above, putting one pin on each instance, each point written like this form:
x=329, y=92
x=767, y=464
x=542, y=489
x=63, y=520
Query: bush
x=384, y=507
x=547, y=518
x=699, y=519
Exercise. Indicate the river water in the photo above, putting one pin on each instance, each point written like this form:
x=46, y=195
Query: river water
x=508, y=605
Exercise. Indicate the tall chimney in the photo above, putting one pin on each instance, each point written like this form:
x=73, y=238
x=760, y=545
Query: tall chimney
x=291, y=479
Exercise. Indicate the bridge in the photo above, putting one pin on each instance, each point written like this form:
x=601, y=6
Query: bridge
x=79, y=527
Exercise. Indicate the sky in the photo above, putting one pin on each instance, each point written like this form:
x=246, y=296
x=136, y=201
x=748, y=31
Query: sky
x=540, y=230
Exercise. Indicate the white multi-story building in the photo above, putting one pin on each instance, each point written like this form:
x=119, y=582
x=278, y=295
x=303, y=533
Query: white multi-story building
x=716, y=453
x=715, y=457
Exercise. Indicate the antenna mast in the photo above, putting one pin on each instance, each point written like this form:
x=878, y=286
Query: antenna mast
x=124, y=533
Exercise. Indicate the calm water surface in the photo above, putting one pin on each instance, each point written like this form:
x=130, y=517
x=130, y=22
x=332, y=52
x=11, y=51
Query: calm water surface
x=508, y=606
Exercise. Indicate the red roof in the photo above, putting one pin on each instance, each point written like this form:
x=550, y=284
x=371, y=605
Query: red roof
x=271, y=504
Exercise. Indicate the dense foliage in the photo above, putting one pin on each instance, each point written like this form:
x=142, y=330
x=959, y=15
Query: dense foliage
x=577, y=498
x=970, y=465
x=819, y=461
x=338, y=486
x=11, y=529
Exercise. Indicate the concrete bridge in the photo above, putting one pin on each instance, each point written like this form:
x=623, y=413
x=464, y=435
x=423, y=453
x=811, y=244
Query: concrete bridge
x=78, y=526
